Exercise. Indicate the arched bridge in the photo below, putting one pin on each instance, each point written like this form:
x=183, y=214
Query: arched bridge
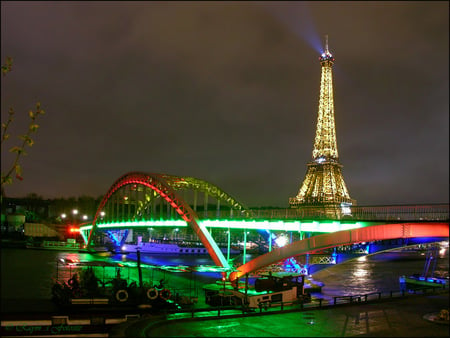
x=344, y=237
x=139, y=199
x=137, y=196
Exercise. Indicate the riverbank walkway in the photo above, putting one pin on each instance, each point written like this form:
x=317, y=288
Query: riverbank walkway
x=407, y=316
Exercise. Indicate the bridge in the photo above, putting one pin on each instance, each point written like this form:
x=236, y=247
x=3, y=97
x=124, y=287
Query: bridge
x=147, y=201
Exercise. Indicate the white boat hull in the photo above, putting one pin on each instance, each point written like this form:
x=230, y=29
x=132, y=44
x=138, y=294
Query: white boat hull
x=169, y=249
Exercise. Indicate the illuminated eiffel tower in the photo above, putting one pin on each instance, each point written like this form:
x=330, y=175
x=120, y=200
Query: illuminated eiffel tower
x=324, y=184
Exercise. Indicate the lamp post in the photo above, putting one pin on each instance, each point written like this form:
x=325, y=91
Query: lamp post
x=175, y=233
x=72, y=223
x=150, y=234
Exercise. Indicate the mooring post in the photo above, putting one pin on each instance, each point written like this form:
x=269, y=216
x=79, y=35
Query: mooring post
x=138, y=255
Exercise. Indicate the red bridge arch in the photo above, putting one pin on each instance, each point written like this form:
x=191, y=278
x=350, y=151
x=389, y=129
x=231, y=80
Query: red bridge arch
x=344, y=237
x=159, y=184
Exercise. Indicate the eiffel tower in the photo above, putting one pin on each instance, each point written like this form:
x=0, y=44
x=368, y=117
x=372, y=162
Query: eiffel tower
x=324, y=184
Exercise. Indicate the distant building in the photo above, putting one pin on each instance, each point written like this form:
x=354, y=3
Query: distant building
x=43, y=230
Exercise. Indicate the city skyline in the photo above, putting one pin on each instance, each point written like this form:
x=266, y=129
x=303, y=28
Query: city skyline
x=228, y=93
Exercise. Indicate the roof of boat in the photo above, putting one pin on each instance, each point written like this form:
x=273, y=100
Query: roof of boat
x=170, y=268
x=88, y=263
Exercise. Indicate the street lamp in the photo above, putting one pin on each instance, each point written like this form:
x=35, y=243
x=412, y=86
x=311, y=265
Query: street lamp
x=150, y=234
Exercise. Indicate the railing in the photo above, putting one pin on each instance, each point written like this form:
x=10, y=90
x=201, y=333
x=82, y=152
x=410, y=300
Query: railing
x=392, y=213
x=317, y=303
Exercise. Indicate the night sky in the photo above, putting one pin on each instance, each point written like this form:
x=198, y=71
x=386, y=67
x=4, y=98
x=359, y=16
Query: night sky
x=228, y=92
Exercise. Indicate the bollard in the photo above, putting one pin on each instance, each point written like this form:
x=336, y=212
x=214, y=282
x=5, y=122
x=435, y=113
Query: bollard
x=320, y=302
x=334, y=300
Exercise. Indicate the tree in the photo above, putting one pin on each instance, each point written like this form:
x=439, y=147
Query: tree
x=15, y=170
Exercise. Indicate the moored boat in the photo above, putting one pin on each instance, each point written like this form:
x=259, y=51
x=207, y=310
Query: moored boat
x=421, y=281
x=267, y=291
x=101, y=283
x=69, y=245
x=171, y=248
x=428, y=277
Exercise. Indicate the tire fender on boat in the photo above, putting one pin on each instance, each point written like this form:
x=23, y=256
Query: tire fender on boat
x=152, y=293
x=165, y=294
x=122, y=295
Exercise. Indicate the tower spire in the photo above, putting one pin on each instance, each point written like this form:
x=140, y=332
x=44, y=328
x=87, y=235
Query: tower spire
x=324, y=184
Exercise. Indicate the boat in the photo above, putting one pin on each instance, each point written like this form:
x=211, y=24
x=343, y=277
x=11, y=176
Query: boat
x=101, y=284
x=69, y=245
x=97, y=250
x=427, y=278
x=274, y=289
x=170, y=248
x=417, y=281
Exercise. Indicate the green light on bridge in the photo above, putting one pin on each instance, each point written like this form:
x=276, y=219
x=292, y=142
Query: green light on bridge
x=314, y=226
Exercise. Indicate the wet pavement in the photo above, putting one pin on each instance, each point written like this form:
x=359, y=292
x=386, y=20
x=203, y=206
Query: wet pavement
x=396, y=317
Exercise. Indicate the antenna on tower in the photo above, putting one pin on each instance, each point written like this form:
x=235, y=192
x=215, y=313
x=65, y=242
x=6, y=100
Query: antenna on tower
x=326, y=44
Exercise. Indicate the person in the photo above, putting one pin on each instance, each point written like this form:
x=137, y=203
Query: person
x=73, y=282
x=161, y=284
x=90, y=282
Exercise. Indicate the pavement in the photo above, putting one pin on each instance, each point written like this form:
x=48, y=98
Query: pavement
x=407, y=316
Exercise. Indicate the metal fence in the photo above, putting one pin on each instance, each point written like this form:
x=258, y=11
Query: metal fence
x=382, y=213
x=316, y=303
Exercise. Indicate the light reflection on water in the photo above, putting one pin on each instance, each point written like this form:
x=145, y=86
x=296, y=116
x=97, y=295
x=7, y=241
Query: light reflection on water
x=28, y=273
x=377, y=273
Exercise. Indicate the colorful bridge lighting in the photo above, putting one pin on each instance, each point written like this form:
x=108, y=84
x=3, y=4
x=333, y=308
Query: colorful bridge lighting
x=322, y=227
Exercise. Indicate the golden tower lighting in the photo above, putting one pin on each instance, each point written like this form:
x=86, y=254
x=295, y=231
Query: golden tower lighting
x=324, y=184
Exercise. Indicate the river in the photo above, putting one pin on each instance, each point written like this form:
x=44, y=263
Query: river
x=28, y=273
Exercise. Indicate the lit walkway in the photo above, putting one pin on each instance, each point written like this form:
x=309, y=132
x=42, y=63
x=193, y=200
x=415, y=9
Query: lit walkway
x=393, y=318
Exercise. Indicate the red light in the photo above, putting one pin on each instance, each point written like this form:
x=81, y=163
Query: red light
x=74, y=230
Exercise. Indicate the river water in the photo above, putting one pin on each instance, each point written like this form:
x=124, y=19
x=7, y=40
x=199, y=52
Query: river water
x=28, y=273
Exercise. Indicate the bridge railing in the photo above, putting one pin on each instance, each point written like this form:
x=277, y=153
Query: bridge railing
x=424, y=212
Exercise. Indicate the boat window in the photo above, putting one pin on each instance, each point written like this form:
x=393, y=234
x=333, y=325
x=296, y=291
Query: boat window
x=277, y=297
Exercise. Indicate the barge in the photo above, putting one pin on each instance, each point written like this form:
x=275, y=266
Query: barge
x=268, y=291
x=69, y=245
x=101, y=284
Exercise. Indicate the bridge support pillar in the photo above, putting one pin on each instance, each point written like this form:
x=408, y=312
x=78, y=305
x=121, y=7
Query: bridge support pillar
x=229, y=245
x=244, y=258
x=270, y=241
x=118, y=237
x=307, y=234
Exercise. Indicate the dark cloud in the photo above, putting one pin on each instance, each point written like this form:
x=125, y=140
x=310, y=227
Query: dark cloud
x=228, y=92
